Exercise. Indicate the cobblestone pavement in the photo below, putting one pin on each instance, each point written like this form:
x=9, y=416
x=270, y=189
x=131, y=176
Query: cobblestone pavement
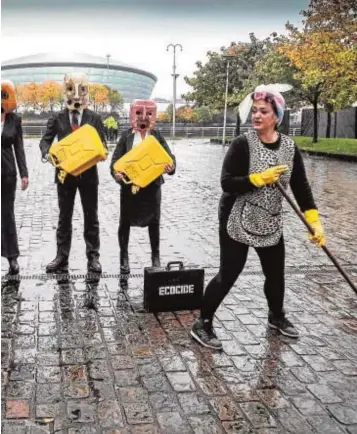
x=74, y=367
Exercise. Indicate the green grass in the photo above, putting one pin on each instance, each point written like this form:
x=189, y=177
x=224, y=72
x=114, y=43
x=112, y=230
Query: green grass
x=334, y=146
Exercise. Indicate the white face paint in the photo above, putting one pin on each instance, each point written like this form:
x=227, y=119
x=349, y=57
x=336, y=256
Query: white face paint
x=75, y=91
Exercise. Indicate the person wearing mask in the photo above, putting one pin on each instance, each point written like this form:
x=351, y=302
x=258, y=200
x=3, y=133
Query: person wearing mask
x=12, y=150
x=142, y=209
x=61, y=124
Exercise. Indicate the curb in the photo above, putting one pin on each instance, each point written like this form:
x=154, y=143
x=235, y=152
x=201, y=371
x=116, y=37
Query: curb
x=343, y=157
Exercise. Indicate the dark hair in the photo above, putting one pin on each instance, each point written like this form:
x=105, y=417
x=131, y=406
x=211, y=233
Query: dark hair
x=269, y=98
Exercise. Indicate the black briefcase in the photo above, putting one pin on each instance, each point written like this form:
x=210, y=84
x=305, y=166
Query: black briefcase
x=168, y=289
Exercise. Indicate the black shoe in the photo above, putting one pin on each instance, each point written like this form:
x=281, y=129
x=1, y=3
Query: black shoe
x=124, y=264
x=155, y=260
x=203, y=332
x=13, y=267
x=283, y=325
x=59, y=264
x=94, y=266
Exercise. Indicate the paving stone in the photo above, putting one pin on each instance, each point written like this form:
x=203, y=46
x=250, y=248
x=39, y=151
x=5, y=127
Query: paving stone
x=16, y=409
x=23, y=372
x=163, y=402
x=324, y=393
x=156, y=383
x=257, y=414
x=193, y=403
x=137, y=413
x=181, y=381
x=14, y=428
x=307, y=405
x=48, y=393
x=226, y=408
x=324, y=425
x=49, y=374
x=82, y=412
x=204, y=424
x=133, y=394
x=109, y=414
x=144, y=429
x=172, y=423
x=239, y=427
x=344, y=413
x=126, y=377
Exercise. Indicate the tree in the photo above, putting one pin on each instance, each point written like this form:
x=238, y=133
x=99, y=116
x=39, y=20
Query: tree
x=272, y=67
x=325, y=66
x=169, y=112
x=28, y=96
x=162, y=117
x=209, y=80
x=99, y=96
x=116, y=100
x=186, y=114
x=203, y=114
x=50, y=94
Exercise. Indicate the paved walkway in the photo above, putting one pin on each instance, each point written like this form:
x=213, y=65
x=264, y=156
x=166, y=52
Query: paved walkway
x=69, y=368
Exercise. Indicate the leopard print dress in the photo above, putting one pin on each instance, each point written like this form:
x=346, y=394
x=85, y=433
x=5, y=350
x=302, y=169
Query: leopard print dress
x=256, y=217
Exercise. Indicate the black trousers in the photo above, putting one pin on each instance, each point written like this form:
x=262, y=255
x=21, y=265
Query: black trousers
x=232, y=261
x=89, y=198
x=124, y=233
x=9, y=243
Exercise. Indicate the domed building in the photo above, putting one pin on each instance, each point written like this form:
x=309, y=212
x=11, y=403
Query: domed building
x=131, y=82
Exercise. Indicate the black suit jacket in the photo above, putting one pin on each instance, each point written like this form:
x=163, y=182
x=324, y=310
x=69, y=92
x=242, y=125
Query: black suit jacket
x=125, y=144
x=12, y=140
x=59, y=125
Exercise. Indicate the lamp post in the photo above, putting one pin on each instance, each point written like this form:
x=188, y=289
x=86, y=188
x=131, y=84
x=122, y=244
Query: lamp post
x=108, y=56
x=174, y=75
x=227, y=58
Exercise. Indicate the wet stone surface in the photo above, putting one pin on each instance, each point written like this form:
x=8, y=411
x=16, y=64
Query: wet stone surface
x=80, y=358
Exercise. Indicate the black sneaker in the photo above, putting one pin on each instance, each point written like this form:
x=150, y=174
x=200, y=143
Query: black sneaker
x=203, y=332
x=284, y=326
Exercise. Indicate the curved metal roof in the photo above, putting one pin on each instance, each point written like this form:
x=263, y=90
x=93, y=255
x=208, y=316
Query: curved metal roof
x=69, y=59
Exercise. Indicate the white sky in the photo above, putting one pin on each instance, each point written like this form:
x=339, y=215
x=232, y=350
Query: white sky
x=138, y=36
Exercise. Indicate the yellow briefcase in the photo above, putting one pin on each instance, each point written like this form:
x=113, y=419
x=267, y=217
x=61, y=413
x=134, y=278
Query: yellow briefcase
x=77, y=152
x=144, y=163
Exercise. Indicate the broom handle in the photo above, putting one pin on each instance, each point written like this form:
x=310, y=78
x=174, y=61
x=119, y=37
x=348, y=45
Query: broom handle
x=310, y=229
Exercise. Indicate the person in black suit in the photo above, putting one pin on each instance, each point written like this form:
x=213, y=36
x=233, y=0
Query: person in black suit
x=62, y=124
x=143, y=208
x=11, y=140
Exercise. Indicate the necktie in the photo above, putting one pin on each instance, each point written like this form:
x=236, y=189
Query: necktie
x=75, y=125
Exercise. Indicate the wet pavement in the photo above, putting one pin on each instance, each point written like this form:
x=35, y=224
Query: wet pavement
x=80, y=359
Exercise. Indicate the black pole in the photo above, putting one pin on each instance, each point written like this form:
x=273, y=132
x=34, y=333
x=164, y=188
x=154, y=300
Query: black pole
x=310, y=229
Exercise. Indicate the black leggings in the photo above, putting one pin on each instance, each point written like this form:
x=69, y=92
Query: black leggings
x=124, y=233
x=233, y=258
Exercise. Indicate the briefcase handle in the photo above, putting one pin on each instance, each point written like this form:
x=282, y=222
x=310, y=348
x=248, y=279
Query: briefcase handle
x=180, y=263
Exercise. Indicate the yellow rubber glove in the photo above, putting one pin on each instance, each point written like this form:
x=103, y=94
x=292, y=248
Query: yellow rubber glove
x=312, y=216
x=269, y=176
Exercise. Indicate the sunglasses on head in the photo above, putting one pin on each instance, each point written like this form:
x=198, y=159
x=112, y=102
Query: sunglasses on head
x=266, y=96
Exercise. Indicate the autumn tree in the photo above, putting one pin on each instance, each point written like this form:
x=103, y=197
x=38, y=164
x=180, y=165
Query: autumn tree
x=28, y=96
x=162, y=117
x=99, y=96
x=325, y=55
x=50, y=94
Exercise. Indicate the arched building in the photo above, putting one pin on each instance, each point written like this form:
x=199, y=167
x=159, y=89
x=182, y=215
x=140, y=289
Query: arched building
x=131, y=82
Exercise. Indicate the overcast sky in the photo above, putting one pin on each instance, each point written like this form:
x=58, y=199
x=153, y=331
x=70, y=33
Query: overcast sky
x=137, y=32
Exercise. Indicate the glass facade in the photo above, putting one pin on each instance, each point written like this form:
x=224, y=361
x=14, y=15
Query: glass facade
x=130, y=84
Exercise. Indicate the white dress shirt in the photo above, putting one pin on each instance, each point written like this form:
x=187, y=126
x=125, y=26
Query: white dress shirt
x=137, y=137
x=79, y=116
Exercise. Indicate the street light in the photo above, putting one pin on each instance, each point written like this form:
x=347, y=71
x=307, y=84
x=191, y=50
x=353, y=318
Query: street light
x=108, y=56
x=174, y=75
x=227, y=58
